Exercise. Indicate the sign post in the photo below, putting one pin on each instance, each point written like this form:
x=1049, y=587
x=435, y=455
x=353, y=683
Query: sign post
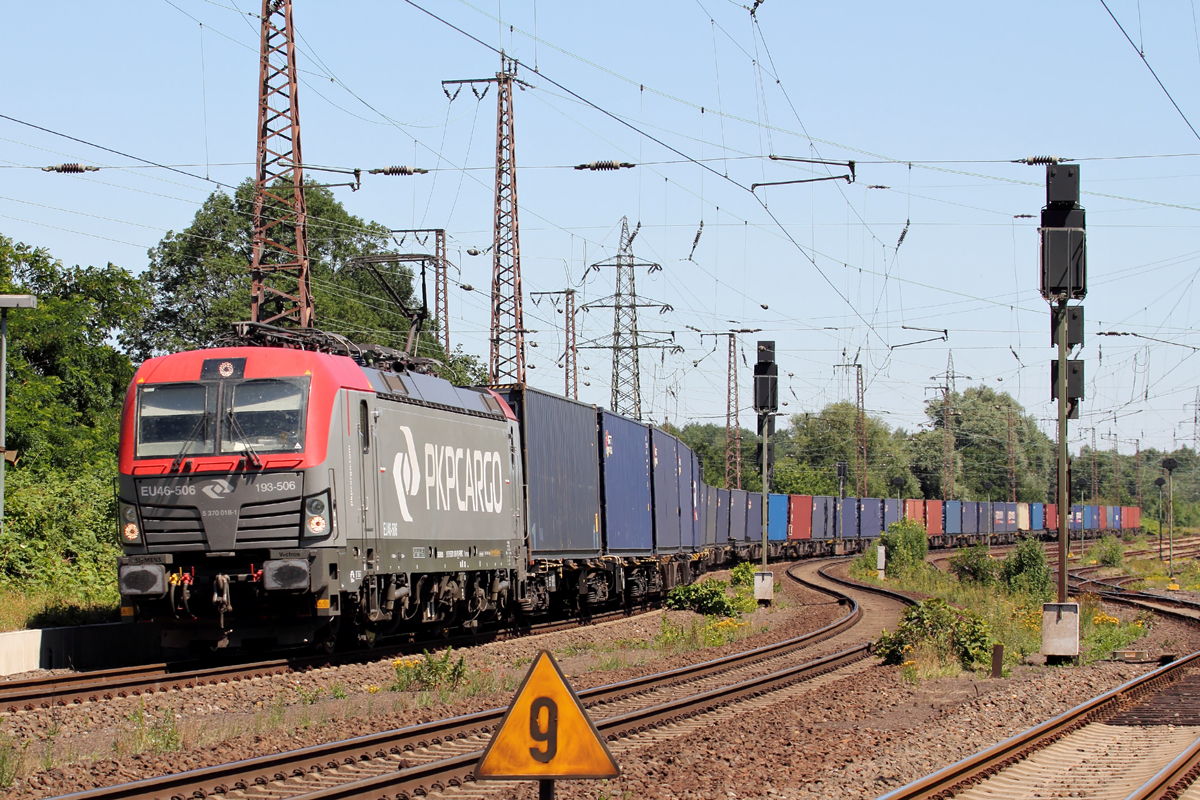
x=546, y=735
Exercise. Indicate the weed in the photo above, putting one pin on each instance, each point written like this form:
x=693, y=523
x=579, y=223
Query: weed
x=975, y=565
x=573, y=649
x=149, y=734
x=339, y=692
x=309, y=696
x=709, y=597
x=429, y=672
x=1107, y=552
x=12, y=759
x=521, y=661
x=947, y=636
x=609, y=662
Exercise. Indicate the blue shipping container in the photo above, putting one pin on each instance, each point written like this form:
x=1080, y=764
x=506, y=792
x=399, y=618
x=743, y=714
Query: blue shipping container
x=1076, y=521
x=697, y=503
x=892, y=511
x=625, y=480
x=970, y=517
x=1037, y=516
x=1118, y=519
x=562, y=473
x=953, y=514
x=1091, y=518
x=737, y=515
x=847, y=523
x=1010, y=517
x=822, y=518
x=666, y=491
x=754, y=529
x=777, y=517
x=870, y=517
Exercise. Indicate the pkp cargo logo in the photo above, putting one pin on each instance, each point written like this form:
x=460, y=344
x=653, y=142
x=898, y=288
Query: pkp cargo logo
x=406, y=471
x=218, y=489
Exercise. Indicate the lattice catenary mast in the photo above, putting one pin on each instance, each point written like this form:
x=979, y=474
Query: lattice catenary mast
x=280, y=291
x=733, y=430
x=506, y=363
x=626, y=369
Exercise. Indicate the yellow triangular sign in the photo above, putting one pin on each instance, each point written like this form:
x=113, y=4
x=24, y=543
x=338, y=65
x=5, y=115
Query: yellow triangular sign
x=546, y=733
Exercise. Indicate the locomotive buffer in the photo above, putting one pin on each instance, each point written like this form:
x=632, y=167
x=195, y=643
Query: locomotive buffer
x=546, y=735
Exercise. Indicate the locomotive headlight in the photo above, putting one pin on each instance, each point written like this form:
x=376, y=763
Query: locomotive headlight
x=317, y=515
x=127, y=523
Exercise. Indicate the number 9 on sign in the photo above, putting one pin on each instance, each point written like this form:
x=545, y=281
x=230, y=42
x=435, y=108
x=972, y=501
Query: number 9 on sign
x=547, y=734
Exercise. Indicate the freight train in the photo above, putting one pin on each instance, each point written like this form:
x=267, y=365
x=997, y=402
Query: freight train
x=280, y=496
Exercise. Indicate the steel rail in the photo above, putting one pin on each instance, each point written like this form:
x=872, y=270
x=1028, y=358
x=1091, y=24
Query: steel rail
x=1172, y=779
x=948, y=780
x=77, y=688
x=261, y=770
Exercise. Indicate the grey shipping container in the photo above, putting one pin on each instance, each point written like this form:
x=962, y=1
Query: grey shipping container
x=666, y=491
x=562, y=473
x=892, y=512
x=710, y=515
x=754, y=530
x=628, y=517
x=970, y=517
x=683, y=469
x=723, y=501
x=737, y=515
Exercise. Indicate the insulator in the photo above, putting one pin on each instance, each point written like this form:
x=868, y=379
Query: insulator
x=398, y=170
x=73, y=169
x=1035, y=160
x=602, y=166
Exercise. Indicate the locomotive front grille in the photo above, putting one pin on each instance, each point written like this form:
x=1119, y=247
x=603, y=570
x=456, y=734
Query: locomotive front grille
x=172, y=525
x=276, y=520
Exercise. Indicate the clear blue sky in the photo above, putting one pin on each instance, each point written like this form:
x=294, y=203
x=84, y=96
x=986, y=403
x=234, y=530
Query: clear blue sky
x=932, y=100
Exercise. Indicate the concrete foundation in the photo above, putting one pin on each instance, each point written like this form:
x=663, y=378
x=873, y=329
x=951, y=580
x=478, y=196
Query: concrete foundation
x=83, y=647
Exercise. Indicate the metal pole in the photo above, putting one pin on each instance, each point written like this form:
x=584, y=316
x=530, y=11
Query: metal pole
x=1160, y=524
x=1064, y=496
x=1171, y=522
x=546, y=790
x=766, y=482
x=3, y=402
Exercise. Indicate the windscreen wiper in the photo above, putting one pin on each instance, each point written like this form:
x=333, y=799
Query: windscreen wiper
x=200, y=423
x=251, y=453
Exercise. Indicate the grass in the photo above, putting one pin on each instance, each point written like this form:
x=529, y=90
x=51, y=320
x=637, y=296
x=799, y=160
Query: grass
x=20, y=610
x=152, y=732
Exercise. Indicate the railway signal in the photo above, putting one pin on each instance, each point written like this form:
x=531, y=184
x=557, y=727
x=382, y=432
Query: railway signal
x=1062, y=278
x=766, y=403
x=546, y=735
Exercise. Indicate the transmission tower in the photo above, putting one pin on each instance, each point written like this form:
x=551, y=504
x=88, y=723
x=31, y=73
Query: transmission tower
x=506, y=361
x=860, y=429
x=948, y=389
x=626, y=371
x=571, y=350
x=279, y=280
x=627, y=340
x=733, y=430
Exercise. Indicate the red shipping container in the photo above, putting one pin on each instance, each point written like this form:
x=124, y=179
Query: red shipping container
x=933, y=517
x=915, y=510
x=1103, y=517
x=1051, y=517
x=800, y=516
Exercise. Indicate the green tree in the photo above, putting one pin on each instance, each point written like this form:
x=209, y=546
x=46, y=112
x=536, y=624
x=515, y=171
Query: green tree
x=199, y=281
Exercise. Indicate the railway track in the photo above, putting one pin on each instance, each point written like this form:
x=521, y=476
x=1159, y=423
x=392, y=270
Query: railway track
x=1140, y=740
x=433, y=756
x=90, y=687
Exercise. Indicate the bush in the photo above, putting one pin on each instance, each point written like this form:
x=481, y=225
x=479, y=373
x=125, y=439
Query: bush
x=953, y=635
x=907, y=545
x=707, y=597
x=1025, y=571
x=974, y=565
x=1108, y=552
x=742, y=574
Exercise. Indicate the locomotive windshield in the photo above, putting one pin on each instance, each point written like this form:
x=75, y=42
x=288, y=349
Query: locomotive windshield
x=171, y=419
x=264, y=416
